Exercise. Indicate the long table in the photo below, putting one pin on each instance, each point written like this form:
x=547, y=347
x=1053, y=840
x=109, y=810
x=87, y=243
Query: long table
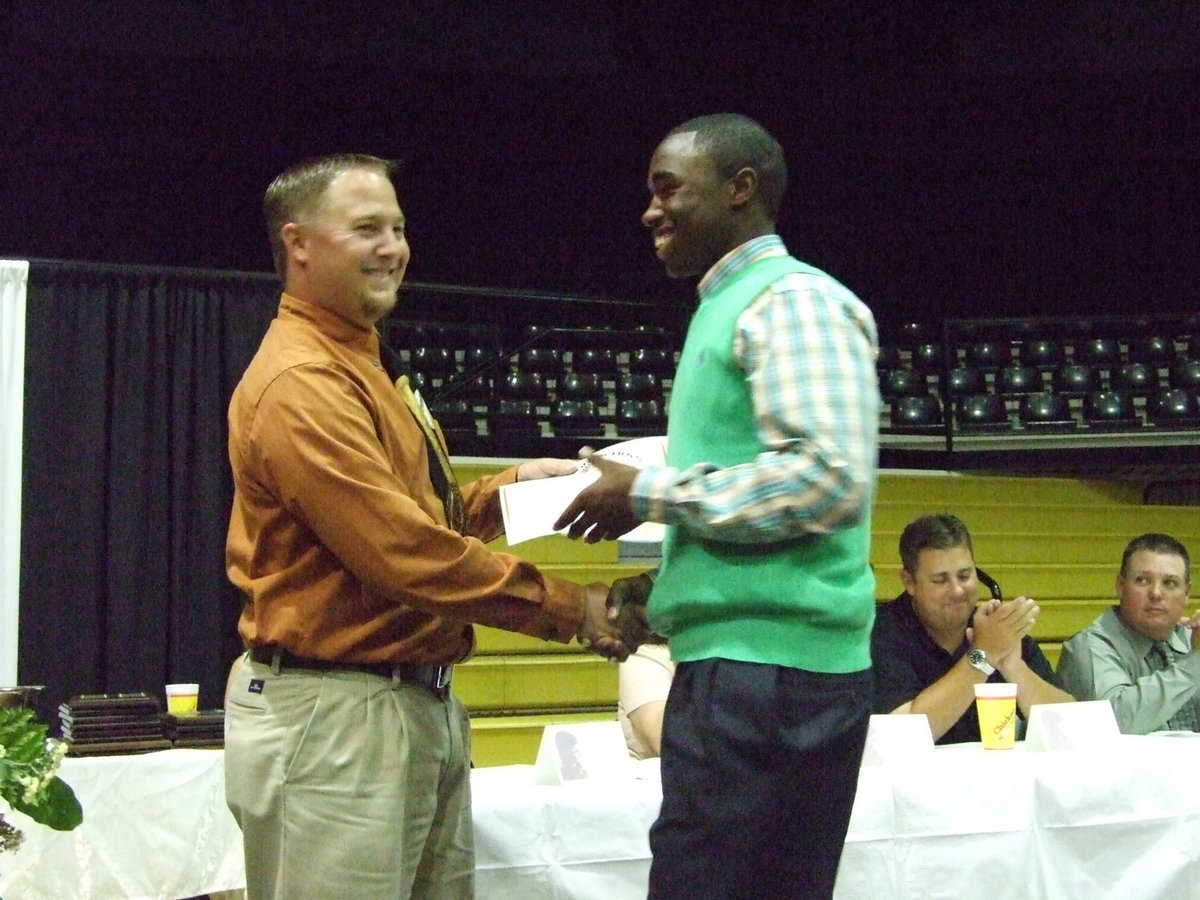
x=1122, y=821
x=155, y=825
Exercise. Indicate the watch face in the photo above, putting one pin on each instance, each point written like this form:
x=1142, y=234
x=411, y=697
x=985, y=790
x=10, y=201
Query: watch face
x=978, y=659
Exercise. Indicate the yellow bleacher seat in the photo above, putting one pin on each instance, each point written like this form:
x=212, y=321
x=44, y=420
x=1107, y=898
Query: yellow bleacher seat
x=1057, y=540
x=514, y=740
x=504, y=683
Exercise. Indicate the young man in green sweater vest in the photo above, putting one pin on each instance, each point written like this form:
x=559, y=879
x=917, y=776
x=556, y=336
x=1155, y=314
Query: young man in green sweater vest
x=765, y=592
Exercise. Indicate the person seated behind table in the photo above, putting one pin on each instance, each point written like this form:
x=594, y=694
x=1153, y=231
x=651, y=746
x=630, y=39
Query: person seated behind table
x=644, y=680
x=936, y=641
x=1142, y=655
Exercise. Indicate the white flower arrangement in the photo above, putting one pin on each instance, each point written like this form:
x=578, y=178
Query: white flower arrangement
x=29, y=784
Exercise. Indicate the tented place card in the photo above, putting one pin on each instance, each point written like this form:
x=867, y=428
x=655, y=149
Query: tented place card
x=1071, y=726
x=581, y=751
x=896, y=738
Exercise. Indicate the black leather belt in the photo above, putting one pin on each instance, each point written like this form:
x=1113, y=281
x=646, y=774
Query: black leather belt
x=433, y=678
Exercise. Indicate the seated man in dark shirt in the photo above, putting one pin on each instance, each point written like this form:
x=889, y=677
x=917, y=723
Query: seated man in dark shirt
x=936, y=641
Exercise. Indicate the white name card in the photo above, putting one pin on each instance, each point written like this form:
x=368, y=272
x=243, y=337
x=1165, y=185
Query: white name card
x=1071, y=726
x=581, y=751
x=896, y=737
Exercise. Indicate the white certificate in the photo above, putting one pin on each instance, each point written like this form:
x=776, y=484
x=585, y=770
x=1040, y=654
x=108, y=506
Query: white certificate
x=531, y=507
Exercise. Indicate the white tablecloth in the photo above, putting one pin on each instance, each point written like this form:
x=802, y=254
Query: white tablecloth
x=959, y=821
x=581, y=839
x=1121, y=822
x=155, y=825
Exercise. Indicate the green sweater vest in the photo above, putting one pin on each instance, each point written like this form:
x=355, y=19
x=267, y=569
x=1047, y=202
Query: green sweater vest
x=807, y=603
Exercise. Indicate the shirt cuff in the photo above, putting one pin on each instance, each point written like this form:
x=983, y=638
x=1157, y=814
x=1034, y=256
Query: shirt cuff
x=564, y=608
x=648, y=491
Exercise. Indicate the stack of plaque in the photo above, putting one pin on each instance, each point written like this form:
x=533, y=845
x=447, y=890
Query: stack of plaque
x=199, y=729
x=98, y=724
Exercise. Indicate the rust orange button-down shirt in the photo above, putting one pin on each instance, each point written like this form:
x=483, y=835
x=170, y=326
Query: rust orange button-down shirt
x=337, y=536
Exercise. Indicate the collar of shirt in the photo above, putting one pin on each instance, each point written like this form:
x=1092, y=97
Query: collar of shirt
x=1180, y=641
x=331, y=324
x=1141, y=644
x=912, y=622
x=737, y=259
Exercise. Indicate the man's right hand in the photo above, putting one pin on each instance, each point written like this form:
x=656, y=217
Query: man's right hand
x=627, y=608
x=598, y=632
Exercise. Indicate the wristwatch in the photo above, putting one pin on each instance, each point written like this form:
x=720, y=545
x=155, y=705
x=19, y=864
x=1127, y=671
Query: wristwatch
x=978, y=659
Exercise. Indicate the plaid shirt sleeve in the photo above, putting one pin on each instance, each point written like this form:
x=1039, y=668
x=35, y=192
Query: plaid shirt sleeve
x=808, y=348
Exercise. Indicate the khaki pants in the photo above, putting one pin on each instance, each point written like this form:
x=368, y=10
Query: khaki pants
x=347, y=784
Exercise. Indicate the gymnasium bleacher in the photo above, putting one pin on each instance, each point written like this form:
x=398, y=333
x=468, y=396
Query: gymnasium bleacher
x=1056, y=440
x=969, y=392
x=1056, y=539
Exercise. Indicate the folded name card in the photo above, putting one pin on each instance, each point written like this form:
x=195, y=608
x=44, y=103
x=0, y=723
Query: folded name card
x=1070, y=726
x=896, y=737
x=581, y=751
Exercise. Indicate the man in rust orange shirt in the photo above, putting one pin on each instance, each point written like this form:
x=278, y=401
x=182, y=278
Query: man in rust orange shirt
x=363, y=564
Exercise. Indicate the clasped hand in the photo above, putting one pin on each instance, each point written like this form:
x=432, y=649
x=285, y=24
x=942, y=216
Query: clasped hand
x=614, y=622
x=997, y=628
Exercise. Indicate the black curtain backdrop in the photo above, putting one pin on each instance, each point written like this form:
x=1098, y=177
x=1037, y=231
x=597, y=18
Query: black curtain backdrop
x=126, y=487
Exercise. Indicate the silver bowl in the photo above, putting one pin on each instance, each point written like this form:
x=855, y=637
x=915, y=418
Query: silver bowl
x=20, y=696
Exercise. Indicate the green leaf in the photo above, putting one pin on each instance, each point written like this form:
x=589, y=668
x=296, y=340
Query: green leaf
x=22, y=736
x=59, y=809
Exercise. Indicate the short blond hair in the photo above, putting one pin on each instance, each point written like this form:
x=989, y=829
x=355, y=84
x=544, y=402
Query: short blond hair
x=296, y=193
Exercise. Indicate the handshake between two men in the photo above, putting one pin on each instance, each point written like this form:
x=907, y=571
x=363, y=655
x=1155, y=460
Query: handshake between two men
x=614, y=622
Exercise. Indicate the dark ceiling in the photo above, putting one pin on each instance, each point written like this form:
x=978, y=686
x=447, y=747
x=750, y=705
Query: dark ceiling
x=947, y=159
